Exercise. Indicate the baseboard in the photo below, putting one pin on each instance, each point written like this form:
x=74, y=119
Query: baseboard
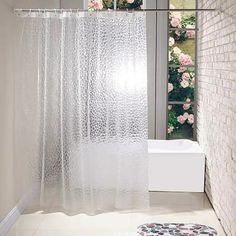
x=14, y=214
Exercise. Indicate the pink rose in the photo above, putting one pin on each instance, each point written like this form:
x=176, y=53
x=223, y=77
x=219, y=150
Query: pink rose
x=181, y=69
x=186, y=76
x=191, y=119
x=190, y=33
x=177, y=32
x=185, y=115
x=181, y=119
x=186, y=106
x=175, y=22
x=185, y=59
x=170, y=87
x=184, y=83
x=188, y=100
x=130, y=1
x=170, y=129
x=95, y=5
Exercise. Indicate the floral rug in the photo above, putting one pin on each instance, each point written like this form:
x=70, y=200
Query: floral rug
x=153, y=229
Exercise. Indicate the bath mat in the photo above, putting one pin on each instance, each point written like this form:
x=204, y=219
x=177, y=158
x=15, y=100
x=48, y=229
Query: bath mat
x=155, y=229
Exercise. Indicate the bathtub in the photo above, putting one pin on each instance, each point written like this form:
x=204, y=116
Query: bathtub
x=176, y=165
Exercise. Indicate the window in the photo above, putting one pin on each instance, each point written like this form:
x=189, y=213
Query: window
x=171, y=93
x=181, y=73
x=109, y=4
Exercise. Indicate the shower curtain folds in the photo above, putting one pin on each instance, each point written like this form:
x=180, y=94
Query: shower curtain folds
x=88, y=76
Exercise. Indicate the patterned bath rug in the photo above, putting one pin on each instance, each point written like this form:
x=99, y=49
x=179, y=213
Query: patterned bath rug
x=155, y=229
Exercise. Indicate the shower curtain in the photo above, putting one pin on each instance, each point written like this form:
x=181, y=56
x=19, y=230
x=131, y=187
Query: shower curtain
x=82, y=96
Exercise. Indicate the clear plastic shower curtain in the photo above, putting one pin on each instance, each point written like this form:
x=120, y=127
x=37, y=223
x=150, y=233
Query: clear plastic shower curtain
x=88, y=74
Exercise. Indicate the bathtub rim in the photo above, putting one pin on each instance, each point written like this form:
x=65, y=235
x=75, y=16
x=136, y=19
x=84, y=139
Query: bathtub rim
x=194, y=149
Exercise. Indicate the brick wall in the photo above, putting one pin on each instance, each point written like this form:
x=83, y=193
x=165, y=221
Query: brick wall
x=216, y=117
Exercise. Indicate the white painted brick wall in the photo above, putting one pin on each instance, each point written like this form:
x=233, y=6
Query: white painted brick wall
x=216, y=117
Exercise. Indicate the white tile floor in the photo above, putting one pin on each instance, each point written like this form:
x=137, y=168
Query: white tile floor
x=165, y=208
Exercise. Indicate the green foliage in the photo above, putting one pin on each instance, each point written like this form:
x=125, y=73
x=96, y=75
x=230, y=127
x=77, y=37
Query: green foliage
x=179, y=34
x=122, y=4
x=188, y=20
x=179, y=93
x=180, y=130
x=172, y=121
x=181, y=80
x=108, y=4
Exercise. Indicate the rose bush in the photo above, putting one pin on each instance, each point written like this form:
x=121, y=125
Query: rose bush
x=181, y=22
x=181, y=79
x=180, y=118
x=181, y=76
x=109, y=4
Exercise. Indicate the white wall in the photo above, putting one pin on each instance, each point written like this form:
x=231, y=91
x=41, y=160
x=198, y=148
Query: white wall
x=217, y=106
x=6, y=110
x=14, y=172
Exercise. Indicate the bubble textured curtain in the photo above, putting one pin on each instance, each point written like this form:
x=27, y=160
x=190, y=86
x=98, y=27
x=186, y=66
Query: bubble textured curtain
x=88, y=71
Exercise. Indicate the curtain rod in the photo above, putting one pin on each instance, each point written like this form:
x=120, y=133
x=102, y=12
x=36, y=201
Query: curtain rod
x=111, y=10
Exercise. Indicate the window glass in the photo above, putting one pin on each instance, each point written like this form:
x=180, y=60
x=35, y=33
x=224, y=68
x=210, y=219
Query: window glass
x=180, y=121
x=182, y=47
x=181, y=77
x=181, y=84
x=180, y=4
x=109, y=4
x=181, y=19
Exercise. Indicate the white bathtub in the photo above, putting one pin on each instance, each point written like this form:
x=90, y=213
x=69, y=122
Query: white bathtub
x=176, y=165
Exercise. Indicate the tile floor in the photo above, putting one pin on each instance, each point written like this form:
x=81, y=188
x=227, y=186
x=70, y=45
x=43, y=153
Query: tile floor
x=165, y=207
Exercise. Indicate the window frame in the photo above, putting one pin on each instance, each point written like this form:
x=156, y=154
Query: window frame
x=194, y=66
